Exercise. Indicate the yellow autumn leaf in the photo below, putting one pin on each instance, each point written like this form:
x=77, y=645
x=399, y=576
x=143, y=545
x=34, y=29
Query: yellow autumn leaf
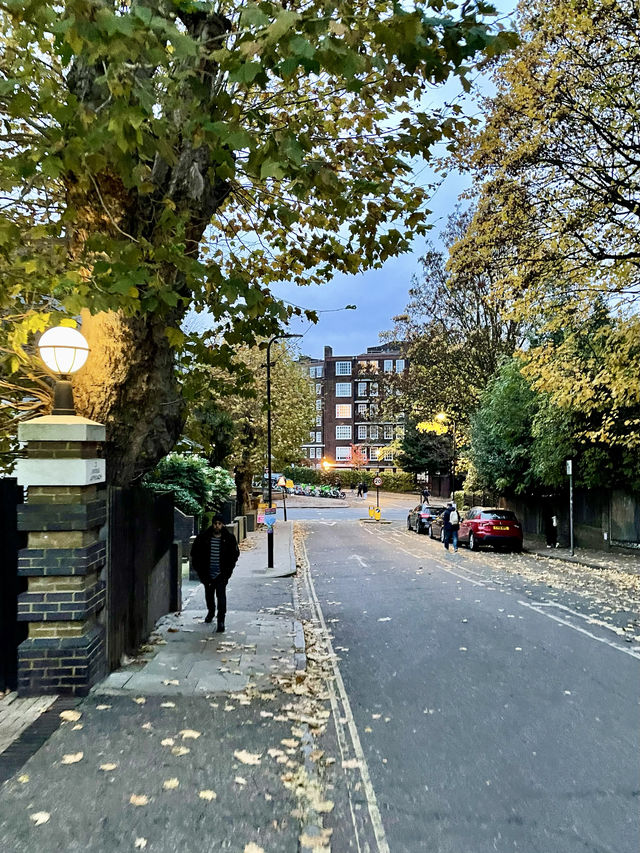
x=168, y=741
x=190, y=733
x=139, y=799
x=70, y=716
x=108, y=767
x=40, y=817
x=180, y=750
x=167, y=704
x=170, y=784
x=102, y=707
x=240, y=780
x=173, y=681
x=247, y=757
x=252, y=848
x=207, y=795
x=23, y=779
x=139, y=700
x=72, y=757
x=140, y=843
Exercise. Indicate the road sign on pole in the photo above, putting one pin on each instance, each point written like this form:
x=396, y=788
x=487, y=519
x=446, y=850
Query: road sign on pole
x=570, y=473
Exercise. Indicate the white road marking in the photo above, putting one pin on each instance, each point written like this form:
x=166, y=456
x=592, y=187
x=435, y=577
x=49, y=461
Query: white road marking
x=616, y=646
x=360, y=560
x=347, y=714
x=328, y=523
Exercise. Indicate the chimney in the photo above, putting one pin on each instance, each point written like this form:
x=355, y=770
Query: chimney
x=328, y=352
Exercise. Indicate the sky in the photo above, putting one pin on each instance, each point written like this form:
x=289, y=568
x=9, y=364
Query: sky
x=378, y=294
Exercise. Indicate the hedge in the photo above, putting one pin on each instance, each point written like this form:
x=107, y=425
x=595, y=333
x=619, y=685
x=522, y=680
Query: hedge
x=398, y=482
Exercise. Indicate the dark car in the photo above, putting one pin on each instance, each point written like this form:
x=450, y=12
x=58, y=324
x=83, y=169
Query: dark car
x=491, y=526
x=421, y=516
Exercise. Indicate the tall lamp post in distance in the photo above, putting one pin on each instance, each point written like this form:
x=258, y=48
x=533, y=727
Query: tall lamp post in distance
x=270, y=486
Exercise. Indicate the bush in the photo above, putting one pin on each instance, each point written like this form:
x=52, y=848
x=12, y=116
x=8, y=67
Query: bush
x=398, y=482
x=194, y=484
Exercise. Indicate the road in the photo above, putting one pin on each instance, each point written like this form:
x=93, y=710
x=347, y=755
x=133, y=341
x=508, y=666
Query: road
x=486, y=711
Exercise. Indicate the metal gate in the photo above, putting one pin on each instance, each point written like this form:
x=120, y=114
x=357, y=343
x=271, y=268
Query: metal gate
x=12, y=632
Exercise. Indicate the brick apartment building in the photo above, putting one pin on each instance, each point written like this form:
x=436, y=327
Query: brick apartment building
x=349, y=392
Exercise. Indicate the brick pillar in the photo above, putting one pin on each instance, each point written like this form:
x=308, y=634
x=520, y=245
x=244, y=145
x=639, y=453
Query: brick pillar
x=64, y=558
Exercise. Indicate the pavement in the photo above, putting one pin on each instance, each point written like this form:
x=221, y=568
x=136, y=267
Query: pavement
x=199, y=743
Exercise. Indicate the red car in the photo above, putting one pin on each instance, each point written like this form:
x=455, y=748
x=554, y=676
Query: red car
x=487, y=526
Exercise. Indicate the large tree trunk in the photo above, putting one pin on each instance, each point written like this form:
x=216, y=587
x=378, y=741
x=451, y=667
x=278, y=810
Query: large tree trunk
x=244, y=468
x=129, y=385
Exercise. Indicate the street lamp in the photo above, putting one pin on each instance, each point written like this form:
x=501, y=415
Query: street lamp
x=270, y=487
x=443, y=417
x=64, y=350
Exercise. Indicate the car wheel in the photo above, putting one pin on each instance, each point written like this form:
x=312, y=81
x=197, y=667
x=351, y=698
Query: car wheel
x=418, y=527
x=430, y=531
x=473, y=545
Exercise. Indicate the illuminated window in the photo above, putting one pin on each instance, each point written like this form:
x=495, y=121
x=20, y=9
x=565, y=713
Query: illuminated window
x=343, y=410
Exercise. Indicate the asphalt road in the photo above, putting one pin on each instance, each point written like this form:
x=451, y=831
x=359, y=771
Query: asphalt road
x=490, y=715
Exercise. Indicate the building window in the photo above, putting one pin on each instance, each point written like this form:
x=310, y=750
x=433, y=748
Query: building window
x=315, y=372
x=362, y=408
x=374, y=432
x=362, y=389
x=318, y=405
x=399, y=365
x=318, y=387
x=374, y=389
x=399, y=432
x=312, y=453
x=318, y=420
x=373, y=411
x=362, y=432
x=343, y=431
x=318, y=438
x=343, y=454
x=388, y=431
x=343, y=389
x=343, y=410
x=312, y=436
x=343, y=368
x=374, y=453
x=388, y=365
x=388, y=456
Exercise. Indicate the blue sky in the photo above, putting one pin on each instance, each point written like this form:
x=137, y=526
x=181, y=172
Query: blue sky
x=378, y=294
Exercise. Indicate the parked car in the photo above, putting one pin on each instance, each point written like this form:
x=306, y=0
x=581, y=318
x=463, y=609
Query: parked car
x=489, y=526
x=421, y=516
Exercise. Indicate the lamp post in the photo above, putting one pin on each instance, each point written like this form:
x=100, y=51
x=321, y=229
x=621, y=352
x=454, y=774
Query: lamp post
x=270, y=485
x=64, y=350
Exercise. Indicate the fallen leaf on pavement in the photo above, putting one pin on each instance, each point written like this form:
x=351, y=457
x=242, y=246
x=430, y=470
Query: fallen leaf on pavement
x=139, y=700
x=139, y=799
x=240, y=780
x=385, y=619
x=140, y=843
x=147, y=726
x=351, y=764
x=190, y=733
x=167, y=704
x=290, y=742
x=23, y=779
x=77, y=727
x=173, y=681
x=170, y=784
x=252, y=848
x=72, y=757
x=108, y=767
x=40, y=817
x=102, y=707
x=168, y=741
x=207, y=795
x=70, y=716
x=180, y=750
x=173, y=630
x=247, y=757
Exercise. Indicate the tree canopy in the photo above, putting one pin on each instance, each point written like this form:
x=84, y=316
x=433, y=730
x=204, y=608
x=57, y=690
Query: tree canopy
x=163, y=154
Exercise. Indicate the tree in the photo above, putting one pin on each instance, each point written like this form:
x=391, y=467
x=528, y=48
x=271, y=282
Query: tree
x=209, y=429
x=159, y=155
x=240, y=392
x=423, y=451
x=457, y=328
x=194, y=484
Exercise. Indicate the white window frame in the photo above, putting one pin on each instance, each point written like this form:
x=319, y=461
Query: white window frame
x=340, y=389
x=362, y=389
x=362, y=408
x=318, y=420
x=312, y=436
x=318, y=405
x=344, y=410
x=388, y=456
x=388, y=431
x=318, y=387
x=343, y=432
x=318, y=438
x=400, y=365
x=374, y=433
x=343, y=454
x=362, y=431
x=374, y=389
x=343, y=368
x=388, y=365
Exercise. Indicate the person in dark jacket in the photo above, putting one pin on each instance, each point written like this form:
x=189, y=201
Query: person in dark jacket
x=450, y=526
x=214, y=555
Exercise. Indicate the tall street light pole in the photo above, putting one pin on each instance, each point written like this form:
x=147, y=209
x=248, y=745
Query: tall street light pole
x=270, y=487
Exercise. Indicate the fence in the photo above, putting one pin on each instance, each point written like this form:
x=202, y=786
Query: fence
x=143, y=571
x=12, y=632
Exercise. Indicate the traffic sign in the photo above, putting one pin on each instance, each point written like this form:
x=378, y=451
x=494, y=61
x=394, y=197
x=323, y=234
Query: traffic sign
x=377, y=481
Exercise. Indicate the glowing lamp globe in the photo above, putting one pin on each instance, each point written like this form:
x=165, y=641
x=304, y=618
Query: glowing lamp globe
x=64, y=350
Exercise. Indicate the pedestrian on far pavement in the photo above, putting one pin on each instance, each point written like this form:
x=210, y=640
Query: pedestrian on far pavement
x=214, y=555
x=426, y=494
x=365, y=489
x=360, y=484
x=450, y=526
x=339, y=484
x=551, y=530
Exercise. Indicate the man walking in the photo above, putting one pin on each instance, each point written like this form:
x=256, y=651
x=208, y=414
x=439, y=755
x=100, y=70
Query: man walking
x=214, y=555
x=450, y=526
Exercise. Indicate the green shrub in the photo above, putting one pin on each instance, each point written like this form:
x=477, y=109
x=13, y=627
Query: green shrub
x=195, y=485
x=398, y=482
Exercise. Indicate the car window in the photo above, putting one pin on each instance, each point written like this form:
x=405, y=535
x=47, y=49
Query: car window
x=499, y=515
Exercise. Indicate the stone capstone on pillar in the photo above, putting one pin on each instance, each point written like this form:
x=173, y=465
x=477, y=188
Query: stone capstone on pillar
x=64, y=558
